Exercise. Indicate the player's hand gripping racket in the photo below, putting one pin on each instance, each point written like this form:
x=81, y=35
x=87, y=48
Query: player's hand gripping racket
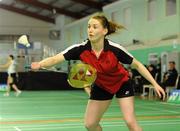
x=81, y=75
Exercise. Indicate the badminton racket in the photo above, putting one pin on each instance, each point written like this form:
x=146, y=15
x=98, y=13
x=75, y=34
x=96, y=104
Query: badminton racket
x=80, y=75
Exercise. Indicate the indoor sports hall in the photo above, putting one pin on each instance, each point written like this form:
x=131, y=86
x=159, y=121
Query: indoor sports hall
x=55, y=98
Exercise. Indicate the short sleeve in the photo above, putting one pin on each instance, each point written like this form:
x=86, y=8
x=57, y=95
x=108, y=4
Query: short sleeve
x=121, y=53
x=73, y=52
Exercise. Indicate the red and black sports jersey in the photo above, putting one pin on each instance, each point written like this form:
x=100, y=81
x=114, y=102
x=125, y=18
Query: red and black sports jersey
x=110, y=72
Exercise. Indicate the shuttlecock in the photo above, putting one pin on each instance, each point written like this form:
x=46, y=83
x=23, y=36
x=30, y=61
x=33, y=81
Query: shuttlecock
x=24, y=40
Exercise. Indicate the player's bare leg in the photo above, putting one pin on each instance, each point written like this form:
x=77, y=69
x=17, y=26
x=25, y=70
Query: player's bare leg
x=11, y=84
x=18, y=92
x=127, y=107
x=94, y=112
x=7, y=90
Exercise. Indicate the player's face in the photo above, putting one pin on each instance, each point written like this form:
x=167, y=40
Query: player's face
x=171, y=66
x=95, y=30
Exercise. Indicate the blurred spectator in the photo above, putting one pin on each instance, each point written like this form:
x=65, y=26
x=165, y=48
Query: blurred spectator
x=136, y=80
x=152, y=69
x=158, y=70
x=169, y=78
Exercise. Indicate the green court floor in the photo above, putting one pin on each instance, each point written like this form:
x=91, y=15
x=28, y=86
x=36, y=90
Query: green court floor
x=64, y=110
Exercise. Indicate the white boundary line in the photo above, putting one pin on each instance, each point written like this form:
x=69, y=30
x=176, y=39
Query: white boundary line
x=17, y=129
x=166, y=103
x=80, y=125
x=149, y=106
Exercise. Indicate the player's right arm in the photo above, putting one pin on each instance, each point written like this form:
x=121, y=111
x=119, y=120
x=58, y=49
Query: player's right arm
x=48, y=62
x=70, y=53
x=8, y=63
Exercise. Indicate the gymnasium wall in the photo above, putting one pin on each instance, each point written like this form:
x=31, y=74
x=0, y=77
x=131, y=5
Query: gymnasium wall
x=149, y=33
x=142, y=54
x=140, y=27
x=153, y=35
x=157, y=35
x=16, y=24
x=12, y=23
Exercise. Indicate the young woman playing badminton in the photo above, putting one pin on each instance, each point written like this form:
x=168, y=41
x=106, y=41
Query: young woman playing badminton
x=11, y=79
x=112, y=79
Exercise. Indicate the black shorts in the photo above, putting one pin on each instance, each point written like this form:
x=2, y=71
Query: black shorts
x=13, y=75
x=98, y=93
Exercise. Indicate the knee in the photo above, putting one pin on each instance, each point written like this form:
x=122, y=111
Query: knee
x=131, y=123
x=90, y=125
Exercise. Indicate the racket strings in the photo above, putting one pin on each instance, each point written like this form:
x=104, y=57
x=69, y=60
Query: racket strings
x=81, y=75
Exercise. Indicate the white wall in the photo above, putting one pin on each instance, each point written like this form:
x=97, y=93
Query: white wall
x=16, y=24
x=38, y=30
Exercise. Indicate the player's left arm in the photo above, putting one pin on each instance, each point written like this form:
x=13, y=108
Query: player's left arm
x=145, y=73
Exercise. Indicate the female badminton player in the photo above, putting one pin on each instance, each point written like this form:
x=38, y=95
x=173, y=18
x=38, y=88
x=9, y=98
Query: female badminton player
x=112, y=79
x=11, y=79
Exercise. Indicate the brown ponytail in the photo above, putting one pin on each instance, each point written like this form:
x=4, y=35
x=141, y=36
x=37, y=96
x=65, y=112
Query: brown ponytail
x=114, y=27
x=111, y=26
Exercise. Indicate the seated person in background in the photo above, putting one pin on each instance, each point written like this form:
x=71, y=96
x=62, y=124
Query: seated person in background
x=152, y=69
x=137, y=81
x=158, y=70
x=169, y=78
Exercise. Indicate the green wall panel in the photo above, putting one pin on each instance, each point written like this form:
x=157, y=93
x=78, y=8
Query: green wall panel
x=142, y=54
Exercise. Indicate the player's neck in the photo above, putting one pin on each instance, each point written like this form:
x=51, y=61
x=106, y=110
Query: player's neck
x=98, y=45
